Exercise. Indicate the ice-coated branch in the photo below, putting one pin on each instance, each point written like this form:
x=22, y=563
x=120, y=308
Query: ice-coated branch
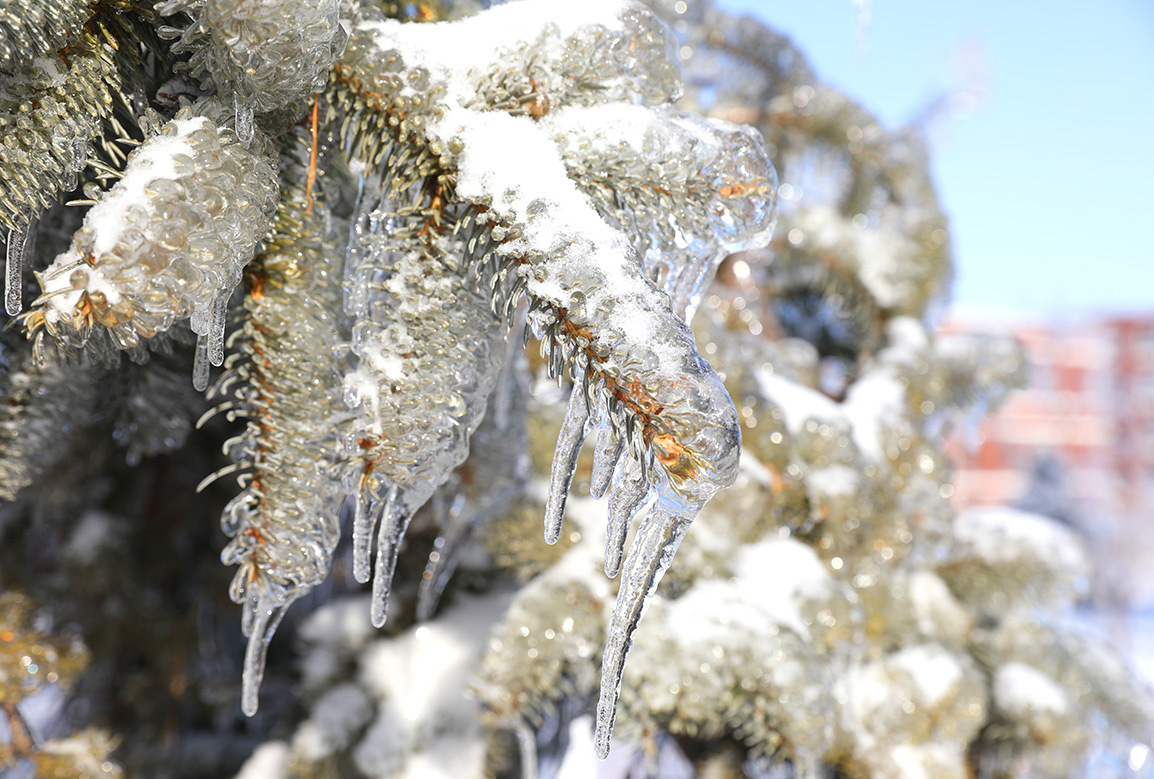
x=166, y=243
x=428, y=350
x=602, y=322
x=34, y=28
x=269, y=54
x=485, y=485
x=51, y=109
x=284, y=523
x=649, y=172
x=40, y=404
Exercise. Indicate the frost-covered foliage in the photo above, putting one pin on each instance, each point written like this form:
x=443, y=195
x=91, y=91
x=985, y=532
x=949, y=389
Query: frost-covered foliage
x=166, y=243
x=382, y=211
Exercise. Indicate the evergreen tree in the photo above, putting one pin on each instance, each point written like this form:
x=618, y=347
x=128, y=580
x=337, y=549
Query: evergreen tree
x=361, y=217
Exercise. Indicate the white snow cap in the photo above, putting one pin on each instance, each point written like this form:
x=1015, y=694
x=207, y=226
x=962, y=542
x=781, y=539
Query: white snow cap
x=450, y=50
x=936, y=672
x=268, y=761
x=425, y=724
x=1020, y=689
x=782, y=573
x=1006, y=536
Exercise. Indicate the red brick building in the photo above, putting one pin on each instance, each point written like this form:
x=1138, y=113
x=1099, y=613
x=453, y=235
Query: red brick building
x=1078, y=441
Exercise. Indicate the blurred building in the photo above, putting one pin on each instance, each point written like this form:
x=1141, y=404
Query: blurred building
x=1077, y=444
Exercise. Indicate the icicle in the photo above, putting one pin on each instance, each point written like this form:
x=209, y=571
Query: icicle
x=79, y=155
x=527, y=743
x=605, y=456
x=365, y=516
x=630, y=492
x=260, y=625
x=657, y=540
x=394, y=523
x=244, y=120
x=14, y=277
x=79, y=147
x=216, y=330
x=355, y=293
x=200, y=364
x=506, y=386
x=569, y=440
x=443, y=559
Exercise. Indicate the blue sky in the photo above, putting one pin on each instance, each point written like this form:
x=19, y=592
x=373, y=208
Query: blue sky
x=1048, y=175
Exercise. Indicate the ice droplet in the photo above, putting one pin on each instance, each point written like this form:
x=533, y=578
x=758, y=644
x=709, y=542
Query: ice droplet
x=527, y=744
x=79, y=148
x=364, y=520
x=264, y=617
x=394, y=523
x=79, y=155
x=244, y=120
x=569, y=440
x=630, y=492
x=14, y=275
x=216, y=330
x=657, y=540
x=200, y=364
x=605, y=457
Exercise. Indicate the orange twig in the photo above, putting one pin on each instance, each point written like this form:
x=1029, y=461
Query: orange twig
x=314, y=121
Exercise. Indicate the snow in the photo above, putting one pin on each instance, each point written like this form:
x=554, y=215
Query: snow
x=579, y=761
x=1007, y=536
x=342, y=623
x=936, y=610
x=269, y=761
x=582, y=563
x=798, y=403
x=1019, y=689
x=512, y=161
x=107, y=219
x=833, y=480
x=929, y=761
x=451, y=49
x=864, y=689
x=753, y=471
x=421, y=678
x=875, y=397
x=446, y=758
x=771, y=580
x=936, y=673
x=711, y=611
x=62, y=295
x=882, y=253
x=422, y=671
x=333, y=722
x=153, y=160
x=872, y=401
x=331, y=633
x=782, y=572
x=94, y=532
